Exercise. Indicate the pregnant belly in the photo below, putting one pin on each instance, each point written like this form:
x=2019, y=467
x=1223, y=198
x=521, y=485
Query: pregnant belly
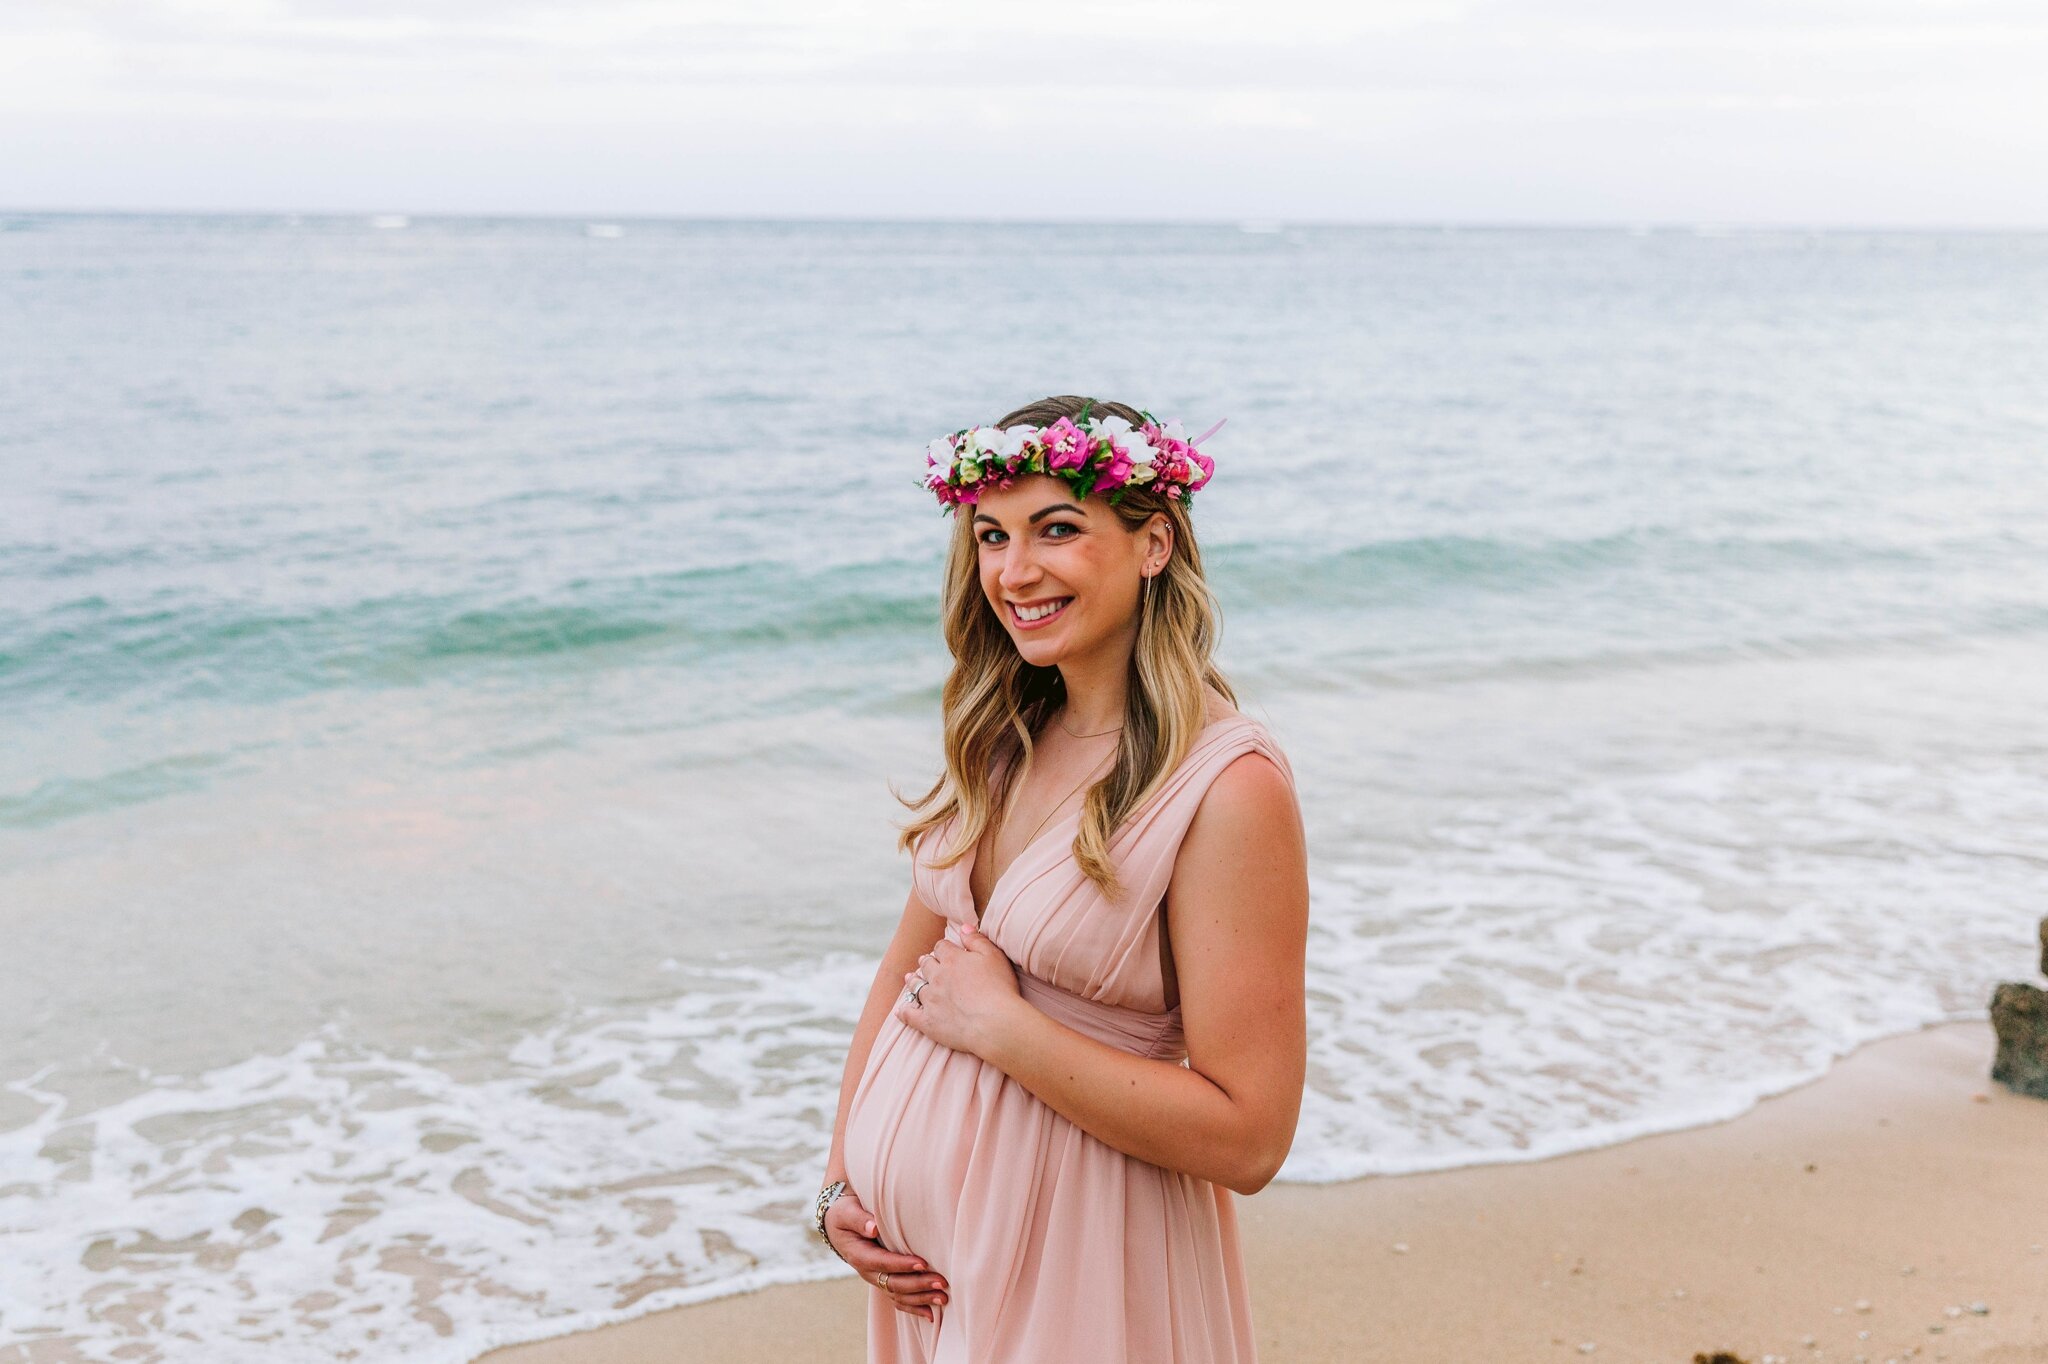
x=910, y=1134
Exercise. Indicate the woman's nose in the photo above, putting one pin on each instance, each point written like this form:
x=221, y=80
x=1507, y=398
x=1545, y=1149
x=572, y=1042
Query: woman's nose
x=1018, y=568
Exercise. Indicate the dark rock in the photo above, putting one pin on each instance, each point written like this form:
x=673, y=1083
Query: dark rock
x=2019, y=1014
x=2044, y=947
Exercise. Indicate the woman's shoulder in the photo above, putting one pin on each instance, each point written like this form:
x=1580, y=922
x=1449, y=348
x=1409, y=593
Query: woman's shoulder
x=1259, y=771
x=1250, y=798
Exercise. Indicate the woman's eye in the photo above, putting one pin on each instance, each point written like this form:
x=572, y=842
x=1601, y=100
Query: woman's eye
x=1056, y=525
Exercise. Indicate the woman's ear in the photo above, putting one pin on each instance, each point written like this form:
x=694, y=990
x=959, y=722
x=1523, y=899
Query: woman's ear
x=1158, y=540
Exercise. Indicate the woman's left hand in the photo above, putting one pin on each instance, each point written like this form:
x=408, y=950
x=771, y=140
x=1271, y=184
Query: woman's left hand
x=970, y=998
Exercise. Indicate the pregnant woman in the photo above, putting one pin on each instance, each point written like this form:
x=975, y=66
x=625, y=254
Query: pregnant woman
x=1089, y=1030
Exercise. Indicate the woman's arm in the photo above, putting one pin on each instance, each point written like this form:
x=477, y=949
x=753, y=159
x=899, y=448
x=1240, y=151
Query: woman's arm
x=916, y=933
x=1237, y=915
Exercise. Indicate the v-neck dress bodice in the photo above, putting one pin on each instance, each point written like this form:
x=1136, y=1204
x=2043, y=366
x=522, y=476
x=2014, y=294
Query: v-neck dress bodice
x=1061, y=830
x=1055, y=1245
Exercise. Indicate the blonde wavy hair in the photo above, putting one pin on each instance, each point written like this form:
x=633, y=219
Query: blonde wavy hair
x=995, y=704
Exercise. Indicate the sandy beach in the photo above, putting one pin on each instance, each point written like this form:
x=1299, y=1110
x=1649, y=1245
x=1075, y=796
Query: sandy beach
x=1896, y=1208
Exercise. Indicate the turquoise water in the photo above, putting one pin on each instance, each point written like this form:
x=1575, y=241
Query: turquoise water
x=451, y=676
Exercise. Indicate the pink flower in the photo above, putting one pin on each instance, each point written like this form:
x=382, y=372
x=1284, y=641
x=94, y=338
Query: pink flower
x=1114, y=473
x=1163, y=442
x=1066, y=445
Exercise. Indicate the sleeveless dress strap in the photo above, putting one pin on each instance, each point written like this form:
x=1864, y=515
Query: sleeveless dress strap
x=1149, y=844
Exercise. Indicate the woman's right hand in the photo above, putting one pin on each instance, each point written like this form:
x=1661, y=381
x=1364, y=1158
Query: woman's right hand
x=912, y=1287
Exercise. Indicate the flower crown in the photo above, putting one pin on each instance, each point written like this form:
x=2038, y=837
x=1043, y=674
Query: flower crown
x=1091, y=454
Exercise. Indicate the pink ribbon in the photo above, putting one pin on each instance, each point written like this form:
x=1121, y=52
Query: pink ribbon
x=1210, y=432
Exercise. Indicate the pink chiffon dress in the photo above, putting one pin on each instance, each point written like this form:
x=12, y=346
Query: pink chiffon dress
x=1057, y=1248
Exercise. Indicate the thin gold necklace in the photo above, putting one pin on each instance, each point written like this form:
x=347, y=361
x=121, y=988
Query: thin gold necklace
x=1096, y=735
x=1067, y=797
x=1063, y=800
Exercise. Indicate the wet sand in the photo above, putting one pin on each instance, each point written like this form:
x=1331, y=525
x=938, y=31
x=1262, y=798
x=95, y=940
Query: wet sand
x=1862, y=1216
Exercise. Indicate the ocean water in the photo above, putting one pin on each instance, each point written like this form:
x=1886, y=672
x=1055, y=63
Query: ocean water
x=452, y=673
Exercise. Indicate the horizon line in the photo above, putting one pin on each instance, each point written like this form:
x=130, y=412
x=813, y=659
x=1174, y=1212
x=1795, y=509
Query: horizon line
x=1242, y=222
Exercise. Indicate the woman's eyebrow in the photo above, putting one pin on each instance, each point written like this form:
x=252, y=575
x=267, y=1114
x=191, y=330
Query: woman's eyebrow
x=1036, y=516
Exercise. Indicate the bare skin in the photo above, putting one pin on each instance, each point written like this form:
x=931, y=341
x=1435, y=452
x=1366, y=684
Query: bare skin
x=1236, y=910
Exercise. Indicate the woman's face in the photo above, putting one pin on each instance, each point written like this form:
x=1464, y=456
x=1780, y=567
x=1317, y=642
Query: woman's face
x=1040, y=548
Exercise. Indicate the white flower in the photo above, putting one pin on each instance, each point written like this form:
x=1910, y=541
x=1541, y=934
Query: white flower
x=941, y=450
x=1174, y=429
x=991, y=441
x=1135, y=444
x=1012, y=441
x=1112, y=426
x=1142, y=473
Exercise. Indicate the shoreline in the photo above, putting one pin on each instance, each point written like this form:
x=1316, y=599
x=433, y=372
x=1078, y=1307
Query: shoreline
x=1903, y=1178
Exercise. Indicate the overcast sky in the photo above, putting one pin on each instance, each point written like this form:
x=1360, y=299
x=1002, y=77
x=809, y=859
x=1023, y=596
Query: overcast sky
x=1884, y=112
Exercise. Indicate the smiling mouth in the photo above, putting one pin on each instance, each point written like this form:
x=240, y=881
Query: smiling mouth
x=1024, y=622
